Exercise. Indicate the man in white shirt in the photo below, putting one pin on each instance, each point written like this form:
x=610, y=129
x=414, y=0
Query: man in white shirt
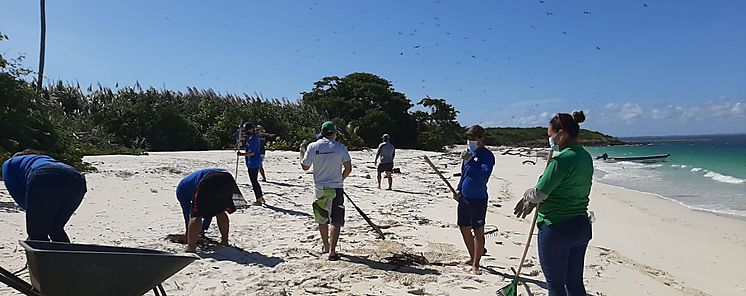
x=331, y=165
x=386, y=153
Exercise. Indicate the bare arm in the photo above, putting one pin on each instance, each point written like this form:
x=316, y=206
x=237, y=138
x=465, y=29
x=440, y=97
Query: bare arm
x=223, y=225
x=347, y=169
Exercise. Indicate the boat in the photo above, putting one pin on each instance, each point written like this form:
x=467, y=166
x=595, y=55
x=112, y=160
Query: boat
x=641, y=159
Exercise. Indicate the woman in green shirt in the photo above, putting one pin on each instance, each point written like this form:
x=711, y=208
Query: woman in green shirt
x=562, y=198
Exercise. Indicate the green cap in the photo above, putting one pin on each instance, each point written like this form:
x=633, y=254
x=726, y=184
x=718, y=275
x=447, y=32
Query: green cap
x=328, y=127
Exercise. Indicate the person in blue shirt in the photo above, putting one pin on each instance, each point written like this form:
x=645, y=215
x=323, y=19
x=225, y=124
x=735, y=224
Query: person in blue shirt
x=253, y=156
x=48, y=190
x=472, y=194
x=202, y=195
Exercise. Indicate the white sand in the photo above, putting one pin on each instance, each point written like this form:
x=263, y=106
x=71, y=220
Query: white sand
x=642, y=245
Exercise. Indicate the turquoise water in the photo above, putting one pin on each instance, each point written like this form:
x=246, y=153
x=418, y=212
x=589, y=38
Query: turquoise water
x=704, y=172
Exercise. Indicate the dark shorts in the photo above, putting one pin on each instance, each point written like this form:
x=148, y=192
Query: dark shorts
x=213, y=200
x=471, y=212
x=385, y=167
x=329, y=206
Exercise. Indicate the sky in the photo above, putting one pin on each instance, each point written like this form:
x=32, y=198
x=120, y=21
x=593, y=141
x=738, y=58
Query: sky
x=637, y=68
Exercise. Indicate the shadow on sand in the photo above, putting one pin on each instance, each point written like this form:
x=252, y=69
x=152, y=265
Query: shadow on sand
x=289, y=212
x=389, y=267
x=240, y=256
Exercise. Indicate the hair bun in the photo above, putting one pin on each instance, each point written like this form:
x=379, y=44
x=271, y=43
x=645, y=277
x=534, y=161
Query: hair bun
x=578, y=116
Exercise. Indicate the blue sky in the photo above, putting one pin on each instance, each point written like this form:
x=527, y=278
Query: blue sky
x=671, y=67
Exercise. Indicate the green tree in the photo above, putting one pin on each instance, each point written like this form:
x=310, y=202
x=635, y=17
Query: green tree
x=366, y=102
x=439, y=127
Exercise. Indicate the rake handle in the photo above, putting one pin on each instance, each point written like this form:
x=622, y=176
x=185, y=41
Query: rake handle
x=238, y=148
x=427, y=159
x=530, y=232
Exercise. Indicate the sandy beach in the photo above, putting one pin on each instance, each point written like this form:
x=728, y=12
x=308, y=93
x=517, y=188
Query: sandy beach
x=642, y=244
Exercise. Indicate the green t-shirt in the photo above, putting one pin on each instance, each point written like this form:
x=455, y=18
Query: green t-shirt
x=567, y=181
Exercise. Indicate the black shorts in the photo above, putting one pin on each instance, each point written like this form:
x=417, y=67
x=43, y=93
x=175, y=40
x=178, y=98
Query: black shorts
x=471, y=212
x=214, y=195
x=385, y=167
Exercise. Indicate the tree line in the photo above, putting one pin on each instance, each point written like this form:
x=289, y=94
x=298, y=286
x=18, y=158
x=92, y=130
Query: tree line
x=69, y=122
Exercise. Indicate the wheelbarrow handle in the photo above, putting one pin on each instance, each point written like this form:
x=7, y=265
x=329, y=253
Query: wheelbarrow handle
x=8, y=278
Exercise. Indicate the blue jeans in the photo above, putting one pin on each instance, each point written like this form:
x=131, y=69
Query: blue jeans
x=53, y=193
x=562, y=254
x=254, y=177
x=186, y=208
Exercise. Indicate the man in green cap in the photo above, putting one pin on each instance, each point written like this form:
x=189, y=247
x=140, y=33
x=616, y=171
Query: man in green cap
x=331, y=165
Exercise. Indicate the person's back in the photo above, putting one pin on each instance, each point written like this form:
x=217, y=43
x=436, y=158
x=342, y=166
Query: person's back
x=386, y=150
x=327, y=158
x=48, y=190
x=331, y=165
x=17, y=170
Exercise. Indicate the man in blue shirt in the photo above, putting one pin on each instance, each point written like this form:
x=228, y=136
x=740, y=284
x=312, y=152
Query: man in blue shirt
x=472, y=194
x=48, y=190
x=253, y=160
x=202, y=195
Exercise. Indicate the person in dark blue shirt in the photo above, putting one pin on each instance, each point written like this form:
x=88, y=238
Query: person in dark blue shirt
x=253, y=156
x=477, y=166
x=202, y=195
x=48, y=190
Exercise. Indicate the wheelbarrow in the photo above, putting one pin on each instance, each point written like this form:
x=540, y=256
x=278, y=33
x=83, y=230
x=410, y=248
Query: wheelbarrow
x=60, y=269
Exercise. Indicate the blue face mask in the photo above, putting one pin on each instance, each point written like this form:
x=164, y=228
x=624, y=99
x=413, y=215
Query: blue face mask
x=553, y=145
x=473, y=145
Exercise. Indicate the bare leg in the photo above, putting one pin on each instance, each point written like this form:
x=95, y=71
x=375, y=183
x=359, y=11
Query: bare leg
x=324, y=230
x=391, y=179
x=224, y=226
x=469, y=242
x=261, y=171
x=333, y=238
x=379, y=180
x=193, y=230
x=478, y=250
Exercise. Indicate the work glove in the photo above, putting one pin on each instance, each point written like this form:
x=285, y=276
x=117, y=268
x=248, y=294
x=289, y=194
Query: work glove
x=523, y=207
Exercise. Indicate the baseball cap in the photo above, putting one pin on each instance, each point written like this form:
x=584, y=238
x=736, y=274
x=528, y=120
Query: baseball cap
x=246, y=126
x=328, y=127
x=385, y=137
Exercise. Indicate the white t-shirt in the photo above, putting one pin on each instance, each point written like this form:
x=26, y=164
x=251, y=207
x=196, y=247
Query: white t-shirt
x=327, y=158
x=386, y=150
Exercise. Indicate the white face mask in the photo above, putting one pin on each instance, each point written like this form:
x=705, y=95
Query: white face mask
x=473, y=145
x=553, y=145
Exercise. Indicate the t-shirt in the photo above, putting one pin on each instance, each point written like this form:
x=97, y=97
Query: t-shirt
x=188, y=186
x=327, y=158
x=254, y=145
x=386, y=150
x=17, y=170
x=567, y=181
x=475, y=173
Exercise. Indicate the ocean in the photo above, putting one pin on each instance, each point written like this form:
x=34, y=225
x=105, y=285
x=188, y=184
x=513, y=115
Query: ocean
x=706, y=172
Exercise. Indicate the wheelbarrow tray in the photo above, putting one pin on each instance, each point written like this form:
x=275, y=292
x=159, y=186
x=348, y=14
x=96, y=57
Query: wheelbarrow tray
x=59, y=269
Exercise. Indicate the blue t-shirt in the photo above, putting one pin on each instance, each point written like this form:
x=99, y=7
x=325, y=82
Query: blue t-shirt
x=254, y=145
x=16, y=172
x=188, y=186
x=475, y=174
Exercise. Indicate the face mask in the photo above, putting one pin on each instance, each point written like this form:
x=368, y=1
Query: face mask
x=553, y=145
x=473, y=145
